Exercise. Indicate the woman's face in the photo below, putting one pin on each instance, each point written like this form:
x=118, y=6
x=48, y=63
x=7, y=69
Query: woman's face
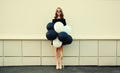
x=58, y=12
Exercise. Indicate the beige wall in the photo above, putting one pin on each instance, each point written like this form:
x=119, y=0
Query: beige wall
x=23, y=21
x=80, y=52
x=89, y=17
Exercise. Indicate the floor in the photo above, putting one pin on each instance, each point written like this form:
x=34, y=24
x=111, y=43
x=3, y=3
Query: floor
x=67, y=69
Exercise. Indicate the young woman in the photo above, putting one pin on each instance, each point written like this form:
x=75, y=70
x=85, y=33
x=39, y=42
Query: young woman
x=59, y=16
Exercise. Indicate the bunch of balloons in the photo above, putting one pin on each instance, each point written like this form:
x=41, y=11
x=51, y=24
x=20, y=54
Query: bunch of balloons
x=59, y=34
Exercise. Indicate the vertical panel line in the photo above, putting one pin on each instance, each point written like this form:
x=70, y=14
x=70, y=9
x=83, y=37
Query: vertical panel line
x=116, y=51
x=79, y=54
x=3, y=51
x=22, y=52
x=98, y=52
x=41, y=52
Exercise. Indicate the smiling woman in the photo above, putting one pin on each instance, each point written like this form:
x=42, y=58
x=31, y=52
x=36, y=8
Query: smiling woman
x=58, y=35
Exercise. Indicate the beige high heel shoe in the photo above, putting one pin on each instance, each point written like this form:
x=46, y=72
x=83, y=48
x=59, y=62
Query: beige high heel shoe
x=57, y=66
x=60, y=67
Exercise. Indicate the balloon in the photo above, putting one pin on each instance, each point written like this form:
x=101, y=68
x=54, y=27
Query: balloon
x=64, y=42
x=51, y=35
x=58, y=26
x=68, y=40
x=50, y=26
x=62, y=36
x=57, y=43
x=67, y=29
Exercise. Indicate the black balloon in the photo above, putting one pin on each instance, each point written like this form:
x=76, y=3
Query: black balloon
x=51, y=35
x=68, y=40
x=64, y=42
x=62, y=36
x=50, y=26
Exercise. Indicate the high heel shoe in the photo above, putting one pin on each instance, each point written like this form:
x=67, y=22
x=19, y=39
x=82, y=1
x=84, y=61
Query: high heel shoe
x=60, y=66
x=57, y=66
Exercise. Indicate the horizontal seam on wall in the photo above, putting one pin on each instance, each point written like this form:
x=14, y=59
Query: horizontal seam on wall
x=63, y=56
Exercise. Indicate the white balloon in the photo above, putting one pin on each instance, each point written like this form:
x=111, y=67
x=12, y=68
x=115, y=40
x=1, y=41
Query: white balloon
x=57, y=43
x=67, y=29
x=58, y=26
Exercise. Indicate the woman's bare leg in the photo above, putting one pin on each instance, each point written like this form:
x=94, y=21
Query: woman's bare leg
x=57, y=57
x=61, y=56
